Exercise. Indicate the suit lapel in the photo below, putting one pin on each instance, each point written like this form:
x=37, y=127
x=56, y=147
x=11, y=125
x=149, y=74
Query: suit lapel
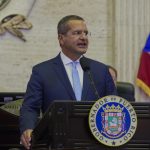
x=86, y=84
x=62, y=75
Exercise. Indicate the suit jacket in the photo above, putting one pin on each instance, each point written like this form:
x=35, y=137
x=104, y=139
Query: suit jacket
x=49, y=82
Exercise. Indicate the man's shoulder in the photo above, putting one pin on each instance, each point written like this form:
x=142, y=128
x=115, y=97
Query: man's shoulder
x=96, y=63
x=41, y=64
x=46, y=63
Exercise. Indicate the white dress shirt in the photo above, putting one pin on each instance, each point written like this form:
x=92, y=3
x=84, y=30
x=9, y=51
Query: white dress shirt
x=68, y=66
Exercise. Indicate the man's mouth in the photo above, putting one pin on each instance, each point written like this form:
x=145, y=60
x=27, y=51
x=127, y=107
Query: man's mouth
x=82, y=45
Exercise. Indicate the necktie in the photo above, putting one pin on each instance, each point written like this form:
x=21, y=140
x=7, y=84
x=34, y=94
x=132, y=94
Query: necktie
x=76, y=81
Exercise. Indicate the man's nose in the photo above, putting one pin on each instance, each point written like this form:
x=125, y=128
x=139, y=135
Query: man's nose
x=84, y=35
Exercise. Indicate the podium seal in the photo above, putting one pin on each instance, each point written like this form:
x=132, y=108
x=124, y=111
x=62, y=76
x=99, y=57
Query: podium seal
x=112, y=121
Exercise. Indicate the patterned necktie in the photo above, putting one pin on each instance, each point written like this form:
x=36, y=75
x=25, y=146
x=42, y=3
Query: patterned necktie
x=76, y=81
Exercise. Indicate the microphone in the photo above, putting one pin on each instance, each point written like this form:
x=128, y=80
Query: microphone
x=86, y=68
x=84, y=64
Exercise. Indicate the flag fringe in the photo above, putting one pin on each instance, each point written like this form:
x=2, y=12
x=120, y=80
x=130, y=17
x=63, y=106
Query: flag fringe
x=143, y=86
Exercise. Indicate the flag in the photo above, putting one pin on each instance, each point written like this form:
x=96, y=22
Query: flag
x=143, y=76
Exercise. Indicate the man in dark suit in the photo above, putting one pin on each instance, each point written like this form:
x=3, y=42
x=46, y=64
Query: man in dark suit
x=124, y=89
x=52, y=79
x=113, y=73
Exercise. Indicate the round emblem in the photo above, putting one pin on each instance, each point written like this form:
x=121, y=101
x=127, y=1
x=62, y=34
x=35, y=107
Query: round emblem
x=112, y=121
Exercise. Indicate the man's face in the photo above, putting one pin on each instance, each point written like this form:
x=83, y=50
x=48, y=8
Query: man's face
x=75, y=42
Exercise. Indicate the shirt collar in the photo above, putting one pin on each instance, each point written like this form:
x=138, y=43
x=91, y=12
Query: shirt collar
x=66, y=60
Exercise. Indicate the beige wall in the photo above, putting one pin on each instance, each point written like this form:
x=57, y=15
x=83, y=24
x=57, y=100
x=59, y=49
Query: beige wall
x=119, y=29
x=132, y=26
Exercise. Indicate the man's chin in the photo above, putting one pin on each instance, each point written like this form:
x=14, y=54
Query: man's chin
x=82, y=51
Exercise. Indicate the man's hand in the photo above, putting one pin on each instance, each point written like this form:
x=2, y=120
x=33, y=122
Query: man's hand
x=26, y=138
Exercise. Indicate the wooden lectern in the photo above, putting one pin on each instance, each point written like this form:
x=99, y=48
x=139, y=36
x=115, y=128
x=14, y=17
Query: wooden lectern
x=65, y=127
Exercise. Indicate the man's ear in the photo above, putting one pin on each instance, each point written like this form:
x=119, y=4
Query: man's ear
x=60, y=38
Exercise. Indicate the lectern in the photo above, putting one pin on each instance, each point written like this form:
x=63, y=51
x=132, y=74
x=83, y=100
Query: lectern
x=65, y=127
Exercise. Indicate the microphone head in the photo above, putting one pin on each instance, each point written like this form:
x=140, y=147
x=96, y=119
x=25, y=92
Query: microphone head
x=84, y=64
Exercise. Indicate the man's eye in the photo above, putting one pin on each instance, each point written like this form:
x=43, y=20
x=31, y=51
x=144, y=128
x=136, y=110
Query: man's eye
x=77, y=33
x=86, y=33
